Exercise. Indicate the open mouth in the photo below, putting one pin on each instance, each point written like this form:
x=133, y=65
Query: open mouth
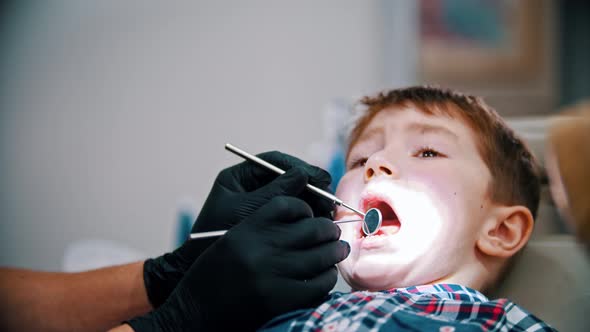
x=390, y=223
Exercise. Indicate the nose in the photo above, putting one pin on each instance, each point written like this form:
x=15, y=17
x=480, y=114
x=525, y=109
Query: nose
x=377, y=165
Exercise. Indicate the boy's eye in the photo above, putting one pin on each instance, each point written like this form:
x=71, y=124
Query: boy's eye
x=427, y=152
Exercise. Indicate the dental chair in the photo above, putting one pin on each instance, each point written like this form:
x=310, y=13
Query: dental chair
x=551, y=277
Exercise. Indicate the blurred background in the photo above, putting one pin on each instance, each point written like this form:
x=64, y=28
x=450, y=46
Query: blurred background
x=113, y=115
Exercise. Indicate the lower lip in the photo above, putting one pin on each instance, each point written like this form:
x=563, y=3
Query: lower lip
x=373, y=241
x=378, y=240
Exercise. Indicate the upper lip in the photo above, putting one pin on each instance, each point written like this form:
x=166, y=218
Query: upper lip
x=370, y=199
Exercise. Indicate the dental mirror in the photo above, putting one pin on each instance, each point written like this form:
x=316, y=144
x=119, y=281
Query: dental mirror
x=372, y=221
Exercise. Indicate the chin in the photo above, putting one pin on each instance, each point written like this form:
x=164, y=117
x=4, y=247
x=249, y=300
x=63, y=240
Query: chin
x=373, y=278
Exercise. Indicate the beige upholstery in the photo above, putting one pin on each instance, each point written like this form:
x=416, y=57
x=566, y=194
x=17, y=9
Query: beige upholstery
x=551, y=279
x=552, y=276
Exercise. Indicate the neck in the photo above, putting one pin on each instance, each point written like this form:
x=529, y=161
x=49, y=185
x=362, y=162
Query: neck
x=474, y=275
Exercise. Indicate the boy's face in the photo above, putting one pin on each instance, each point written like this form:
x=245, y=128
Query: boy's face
x=425, y=174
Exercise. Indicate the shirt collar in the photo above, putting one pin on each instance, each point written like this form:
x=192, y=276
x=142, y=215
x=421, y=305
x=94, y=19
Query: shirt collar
x=445, y=290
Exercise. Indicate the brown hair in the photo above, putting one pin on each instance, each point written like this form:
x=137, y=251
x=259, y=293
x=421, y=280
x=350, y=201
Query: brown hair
x=515, y=172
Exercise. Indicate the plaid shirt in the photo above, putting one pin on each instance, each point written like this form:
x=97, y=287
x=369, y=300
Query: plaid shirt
x=440, y=307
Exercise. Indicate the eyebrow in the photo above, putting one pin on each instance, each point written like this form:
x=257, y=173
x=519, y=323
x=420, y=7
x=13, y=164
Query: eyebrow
x=368, y=135
x=427, y=129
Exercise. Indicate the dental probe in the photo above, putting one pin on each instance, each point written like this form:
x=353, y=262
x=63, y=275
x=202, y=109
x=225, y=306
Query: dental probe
x=272, y=167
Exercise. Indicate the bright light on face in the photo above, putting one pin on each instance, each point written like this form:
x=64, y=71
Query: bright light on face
x=424, y=173
x=422, y=226
x=377, y=259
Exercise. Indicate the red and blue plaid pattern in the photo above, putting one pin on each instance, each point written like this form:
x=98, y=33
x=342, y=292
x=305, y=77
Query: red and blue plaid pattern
x=440, y=307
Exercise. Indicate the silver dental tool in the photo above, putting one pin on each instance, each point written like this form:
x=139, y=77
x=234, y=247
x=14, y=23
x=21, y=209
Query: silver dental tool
x=202, y=235
x=372, y=219
x=272, y=167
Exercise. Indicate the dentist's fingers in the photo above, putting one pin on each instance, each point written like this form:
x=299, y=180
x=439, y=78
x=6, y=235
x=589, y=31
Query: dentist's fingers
x=311, y=232
x=305, y=264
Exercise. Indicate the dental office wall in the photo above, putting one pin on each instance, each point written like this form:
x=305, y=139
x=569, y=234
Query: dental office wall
x=111, y=113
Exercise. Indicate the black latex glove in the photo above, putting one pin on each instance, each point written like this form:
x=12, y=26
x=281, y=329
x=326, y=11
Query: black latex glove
x=237, y=192
x=277, y=260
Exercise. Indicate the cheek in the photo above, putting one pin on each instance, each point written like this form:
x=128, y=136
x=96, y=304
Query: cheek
x=440, y=187
x=350, y=187
x=454, y=196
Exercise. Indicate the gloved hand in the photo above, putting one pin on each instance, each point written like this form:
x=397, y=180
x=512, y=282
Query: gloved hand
x=277, y=260
x=237, y=192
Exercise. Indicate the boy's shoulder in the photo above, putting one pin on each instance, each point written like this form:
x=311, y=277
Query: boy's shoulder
x=443, y=307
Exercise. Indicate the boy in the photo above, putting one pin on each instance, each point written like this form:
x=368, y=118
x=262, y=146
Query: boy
x=458, y=192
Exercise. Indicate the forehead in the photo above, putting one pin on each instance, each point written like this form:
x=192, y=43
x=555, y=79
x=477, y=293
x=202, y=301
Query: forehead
x=410, y=120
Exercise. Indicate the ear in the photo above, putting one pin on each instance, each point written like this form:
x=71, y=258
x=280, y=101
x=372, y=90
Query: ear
x=506, y=231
